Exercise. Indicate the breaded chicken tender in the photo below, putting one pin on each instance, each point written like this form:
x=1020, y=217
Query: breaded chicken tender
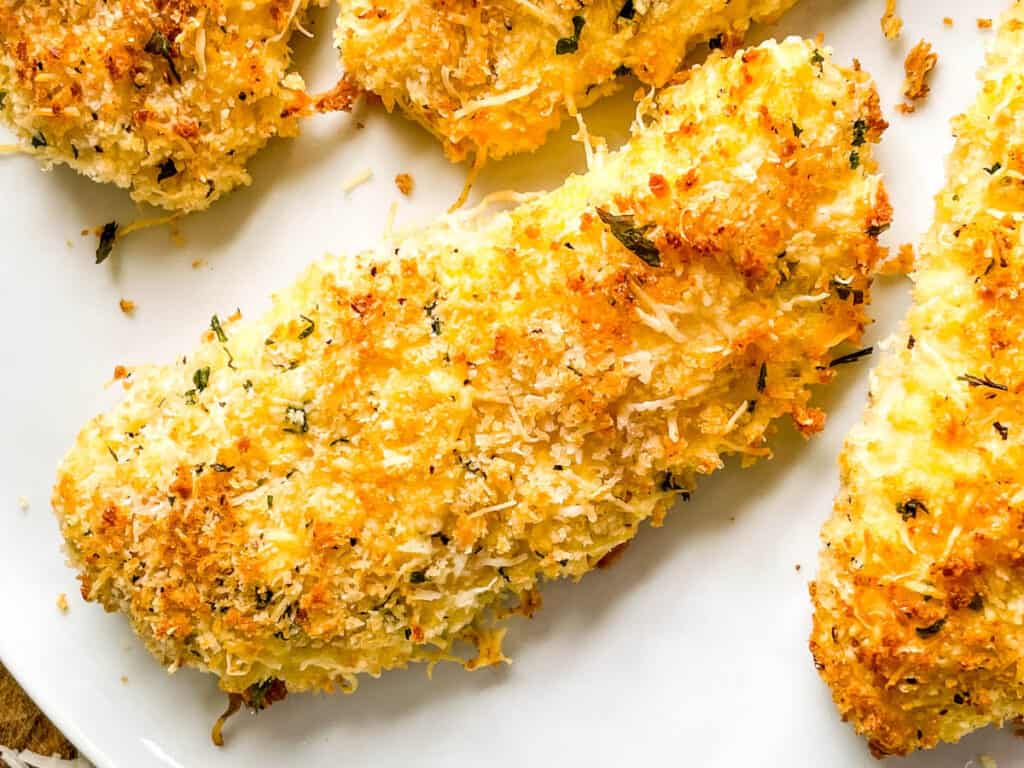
x=919, y=604
x=412, y=438
x=493, y=78
x=166, y=98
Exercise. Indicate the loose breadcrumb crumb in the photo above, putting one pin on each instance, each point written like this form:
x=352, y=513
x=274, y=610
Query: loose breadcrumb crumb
x=124, y=679
x=62, y=602
x=984, y=23
x=948, y=21
x=892, y=24
x=919, y=63
x=127, y=306
x=197, y=263
x=907, y=258
x=902, y=263
x=405, y=183
x=23, y=503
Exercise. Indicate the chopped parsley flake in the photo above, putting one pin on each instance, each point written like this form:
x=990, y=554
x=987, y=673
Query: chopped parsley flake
x=218, y=331
x=107, y=237
x=975, y=381
x=633, y=237
x=908, y=509
x=860, y=132
x=167, y=170
x=159, y=45
x=435, y=322
x=931, y=629
x=571, y=44
x=852, y=357
x=201, y=378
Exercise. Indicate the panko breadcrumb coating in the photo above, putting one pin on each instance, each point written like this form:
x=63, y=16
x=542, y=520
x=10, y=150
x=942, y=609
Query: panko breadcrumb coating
x=412, y=438
x=920, y=600
x=166, y=98
x=493, y=78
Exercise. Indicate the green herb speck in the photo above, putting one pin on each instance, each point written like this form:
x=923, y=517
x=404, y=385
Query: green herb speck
x=218, y=331
x=860, y=132
x=107, y=237
x=167, y=170
x=633, y=237
x=571, y=44
x=201, y=378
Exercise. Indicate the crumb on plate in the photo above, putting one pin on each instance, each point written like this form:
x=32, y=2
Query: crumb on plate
x=62, y=602
x=892, y=24
x=405, y=183
x=127, y=306
x=918, y=65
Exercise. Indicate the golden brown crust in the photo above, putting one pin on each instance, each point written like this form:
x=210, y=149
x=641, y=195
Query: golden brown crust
x=412, y=438
x=506, y=72
x=166, y=98
x=919, y=601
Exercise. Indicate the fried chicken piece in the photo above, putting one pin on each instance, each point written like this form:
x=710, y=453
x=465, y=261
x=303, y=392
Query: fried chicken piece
x=166, y=98
x=411, y=439
x=493, y=78
x=917, y=624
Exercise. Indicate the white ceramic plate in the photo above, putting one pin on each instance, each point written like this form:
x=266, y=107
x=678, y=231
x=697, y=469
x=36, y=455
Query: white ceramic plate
x=691, y=651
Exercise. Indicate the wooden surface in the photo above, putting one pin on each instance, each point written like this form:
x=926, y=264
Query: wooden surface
x=23, y=726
